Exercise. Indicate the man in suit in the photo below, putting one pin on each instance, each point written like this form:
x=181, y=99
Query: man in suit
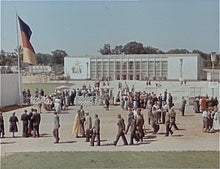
x=130, y=117
x=140, y=124
x=96, y=131
x=56, y=127
x=36, y=118
x=133, y=131
x=2, y=130
x=183, y=106
x=24, y=118
x=88, y=126
x=170, y=100
x=121, y=129
x=173, y=118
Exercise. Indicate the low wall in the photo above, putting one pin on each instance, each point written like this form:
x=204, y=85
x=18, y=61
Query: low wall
x=9, y=90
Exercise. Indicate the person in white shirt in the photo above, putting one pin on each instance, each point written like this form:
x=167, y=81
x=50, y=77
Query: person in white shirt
x=205, y=120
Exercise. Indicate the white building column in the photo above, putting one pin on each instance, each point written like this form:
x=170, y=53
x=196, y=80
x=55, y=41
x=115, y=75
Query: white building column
x=115, y=69
x=134, y=70
x=108, y=67
x=161, y=68
x=140, y=76
x=96, y=69
x=155, y=70
x=121, y=66
x=102, y=69
x=127, y=68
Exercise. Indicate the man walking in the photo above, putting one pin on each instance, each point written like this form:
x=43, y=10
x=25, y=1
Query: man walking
x=130, y=117
x=133, y=131
x=168, y=129
x=24, y=118
x=121, y=129
x=173, y=118
x=56, y=127
x=88, y=126
x=96, y=131
x=183, y=106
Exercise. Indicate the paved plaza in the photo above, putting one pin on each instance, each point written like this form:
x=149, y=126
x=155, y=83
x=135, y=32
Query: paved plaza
x=189, y=137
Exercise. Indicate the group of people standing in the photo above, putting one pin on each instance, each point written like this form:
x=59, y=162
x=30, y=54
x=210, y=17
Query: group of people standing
x=30, y=124
x=82, y=126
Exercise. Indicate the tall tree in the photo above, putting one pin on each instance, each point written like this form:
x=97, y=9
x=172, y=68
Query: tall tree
x=106, y=50
x=133, y=48
x=117, y=50
x=58, y=56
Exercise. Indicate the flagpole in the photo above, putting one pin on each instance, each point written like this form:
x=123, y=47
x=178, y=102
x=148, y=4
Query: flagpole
x=19, y=66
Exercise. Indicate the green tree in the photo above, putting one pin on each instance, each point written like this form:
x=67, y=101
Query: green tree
x=58, y=56
x=134, y=48
x=178, y=51
x=106, y=50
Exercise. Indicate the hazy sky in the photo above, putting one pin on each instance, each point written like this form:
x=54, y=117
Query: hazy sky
x=82, y=28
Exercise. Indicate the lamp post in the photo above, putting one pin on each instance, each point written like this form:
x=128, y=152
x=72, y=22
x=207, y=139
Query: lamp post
x=213, y=59
x=87, y=70
x=181, y=70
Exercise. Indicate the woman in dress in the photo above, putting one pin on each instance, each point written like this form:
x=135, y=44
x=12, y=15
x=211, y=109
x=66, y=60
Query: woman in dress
x=13, y=124
x=77, y=127
x=216, y=120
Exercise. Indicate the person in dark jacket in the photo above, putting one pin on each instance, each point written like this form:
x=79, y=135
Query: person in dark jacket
x=133, y=131
x=56, y=127
x=36, y=118
x=30, y=122
x=121, y=129
x=24, y=118
x=96, y=131
x=2, y=129
x=13, y=124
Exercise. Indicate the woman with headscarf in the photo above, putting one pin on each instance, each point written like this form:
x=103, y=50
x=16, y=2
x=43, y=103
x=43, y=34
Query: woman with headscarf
x=77, y=127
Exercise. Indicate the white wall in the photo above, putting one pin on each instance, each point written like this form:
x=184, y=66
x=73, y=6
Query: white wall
x=76, y=68
x=189, y=67
x=9, y=93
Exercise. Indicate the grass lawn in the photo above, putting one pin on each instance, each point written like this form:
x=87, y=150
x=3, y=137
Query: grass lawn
x=47, y=87
x=100, y=160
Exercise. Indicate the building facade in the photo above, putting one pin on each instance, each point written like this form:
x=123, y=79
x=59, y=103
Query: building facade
x=135, y=67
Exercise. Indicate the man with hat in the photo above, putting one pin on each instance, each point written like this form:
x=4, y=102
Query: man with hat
x=121, y=129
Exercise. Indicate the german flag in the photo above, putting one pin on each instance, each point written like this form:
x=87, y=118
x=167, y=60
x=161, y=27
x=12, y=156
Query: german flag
x=28, y=50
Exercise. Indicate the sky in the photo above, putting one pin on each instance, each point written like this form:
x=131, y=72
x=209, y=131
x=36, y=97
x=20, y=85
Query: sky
x=83, y=27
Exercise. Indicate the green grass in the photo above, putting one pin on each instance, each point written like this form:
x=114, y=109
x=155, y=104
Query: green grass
x=99, y=160
x=47, y=87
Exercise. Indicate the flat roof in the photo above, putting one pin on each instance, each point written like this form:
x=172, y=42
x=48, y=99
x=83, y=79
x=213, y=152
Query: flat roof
x=135, y=55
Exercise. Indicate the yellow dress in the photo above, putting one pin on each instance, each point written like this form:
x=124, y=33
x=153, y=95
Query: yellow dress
x=77, y=127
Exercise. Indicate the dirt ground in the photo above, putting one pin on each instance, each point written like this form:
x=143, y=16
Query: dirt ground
x=189, y=137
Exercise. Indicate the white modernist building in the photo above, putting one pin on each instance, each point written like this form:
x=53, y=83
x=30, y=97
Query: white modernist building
x=135, y=67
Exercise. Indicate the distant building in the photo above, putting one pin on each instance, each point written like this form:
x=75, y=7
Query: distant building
x=135, y=67
x=39, y=69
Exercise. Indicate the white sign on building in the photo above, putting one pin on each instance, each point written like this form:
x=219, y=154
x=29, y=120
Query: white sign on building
x=77, y=68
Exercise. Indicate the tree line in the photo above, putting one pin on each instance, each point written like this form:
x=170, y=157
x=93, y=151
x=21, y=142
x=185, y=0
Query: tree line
x=139, y=48
x=56, y=58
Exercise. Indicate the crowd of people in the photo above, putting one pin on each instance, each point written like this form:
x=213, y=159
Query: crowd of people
x=30, y=124
x=160, y=111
